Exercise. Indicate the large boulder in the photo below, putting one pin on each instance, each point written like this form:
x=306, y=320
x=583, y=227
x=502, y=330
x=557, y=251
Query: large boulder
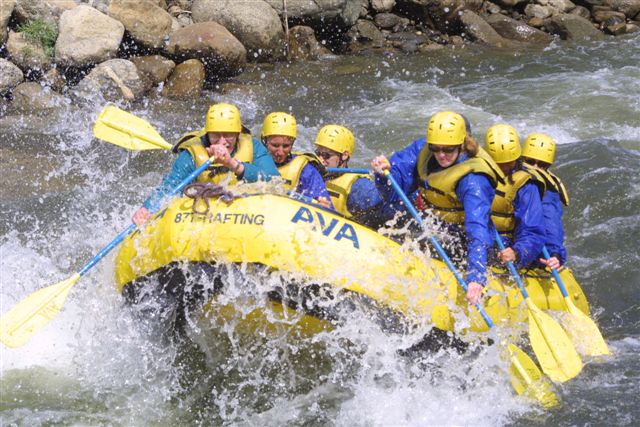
x=253, y=22
x=446, y=14
x=26, y=53
x=186, y=81
x=10, y=75
x=154, y=68
x=6, y=9
x=147, y=23
x=33, y=97
x=517, y=30
x=382, y=5
x=343, y=12
x=210, y=42
x=303, y=44
x=29, y=10
x=572, y=27
x=629, y=7
x=481, y=31
x=114, y=79
x=87, y=37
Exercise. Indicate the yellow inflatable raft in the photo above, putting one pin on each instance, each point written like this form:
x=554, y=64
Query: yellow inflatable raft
x=347, y=258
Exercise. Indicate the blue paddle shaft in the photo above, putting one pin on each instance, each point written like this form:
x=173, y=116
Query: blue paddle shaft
x=512, y=267
x=120, y=237
x=556, y=276
x=436, y=244
x=348, y=170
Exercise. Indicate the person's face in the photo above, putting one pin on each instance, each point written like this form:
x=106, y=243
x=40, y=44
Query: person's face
x=507, y=167
x=445, y=155
x=329, y=158
x=226, y=139
x=280, y=147
x=537, y=163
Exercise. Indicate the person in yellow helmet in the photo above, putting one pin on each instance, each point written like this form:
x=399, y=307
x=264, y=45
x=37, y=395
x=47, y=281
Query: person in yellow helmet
x=237, y=156
x=353, y=195
x=457, y=179
x=300, y=171
x=516, y=210
x=539, y=151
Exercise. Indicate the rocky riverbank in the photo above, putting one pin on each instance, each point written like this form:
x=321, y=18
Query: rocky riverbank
x=57, y=52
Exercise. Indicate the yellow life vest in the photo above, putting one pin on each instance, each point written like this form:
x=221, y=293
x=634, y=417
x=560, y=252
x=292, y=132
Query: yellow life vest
x=292, y=170
x=441, y=192
x=552, y=183
x=339, y=189
x=215, y=173
x=502, y=209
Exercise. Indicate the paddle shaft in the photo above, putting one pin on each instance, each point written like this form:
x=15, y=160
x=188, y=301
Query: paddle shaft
x=511, y=266
x=436, y=245
x=556, y=276
x=120, y=237
x=348, y=170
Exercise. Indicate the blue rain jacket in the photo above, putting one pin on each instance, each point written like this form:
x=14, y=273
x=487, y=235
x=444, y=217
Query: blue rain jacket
x=474, y=191
x=367, y=206
x=552, y=210
x=311, y=183
x=529, y=234
x=262, y=168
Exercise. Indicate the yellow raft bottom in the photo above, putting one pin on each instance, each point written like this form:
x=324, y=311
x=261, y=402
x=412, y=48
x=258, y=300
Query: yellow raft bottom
x=292, y=236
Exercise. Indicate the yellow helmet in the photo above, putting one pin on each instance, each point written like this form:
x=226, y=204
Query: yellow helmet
x=337, y=138
x=279, y=124
x=223, y=118
x=446, y=128
x=502, y=143
x=541, y=147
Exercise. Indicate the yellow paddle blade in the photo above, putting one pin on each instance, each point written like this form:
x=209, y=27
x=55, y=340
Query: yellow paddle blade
x=556, y=354
x=583, y=331
x=527, y=379
x=33, y=313
x=126, y=130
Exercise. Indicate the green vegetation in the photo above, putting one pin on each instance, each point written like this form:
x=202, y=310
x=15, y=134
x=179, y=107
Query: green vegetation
x=42, y=32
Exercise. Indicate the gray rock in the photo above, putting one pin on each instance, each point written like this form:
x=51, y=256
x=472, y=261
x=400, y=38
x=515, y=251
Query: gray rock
x=147, y=23
x=29, y=10
x=629, y=7
x=115, y=79
x=367, y=32
x=478, y=29
x=213, y=44
x=387, y=21
x=6, y=9
x=33, y=97
x=538, y=11
x=303, y=44
x=382, y=5
x=26, y=53
x=186, y=81
x=10, y=75
x=155, y=68
x=572, y=27
x=581, y=11
x=606, y=15
x=255, y=23
x=344, y=12
x=518, y=30
x=87, y=37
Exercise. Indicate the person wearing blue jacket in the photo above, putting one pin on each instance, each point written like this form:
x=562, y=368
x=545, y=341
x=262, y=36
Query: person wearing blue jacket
x=539, y=152
x=354, y=195
x=302, y=172
x=457, y=181
x=237, y=156
x=516, y=210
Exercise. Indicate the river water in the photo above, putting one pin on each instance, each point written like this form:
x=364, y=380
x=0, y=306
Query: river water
x=65, y=195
